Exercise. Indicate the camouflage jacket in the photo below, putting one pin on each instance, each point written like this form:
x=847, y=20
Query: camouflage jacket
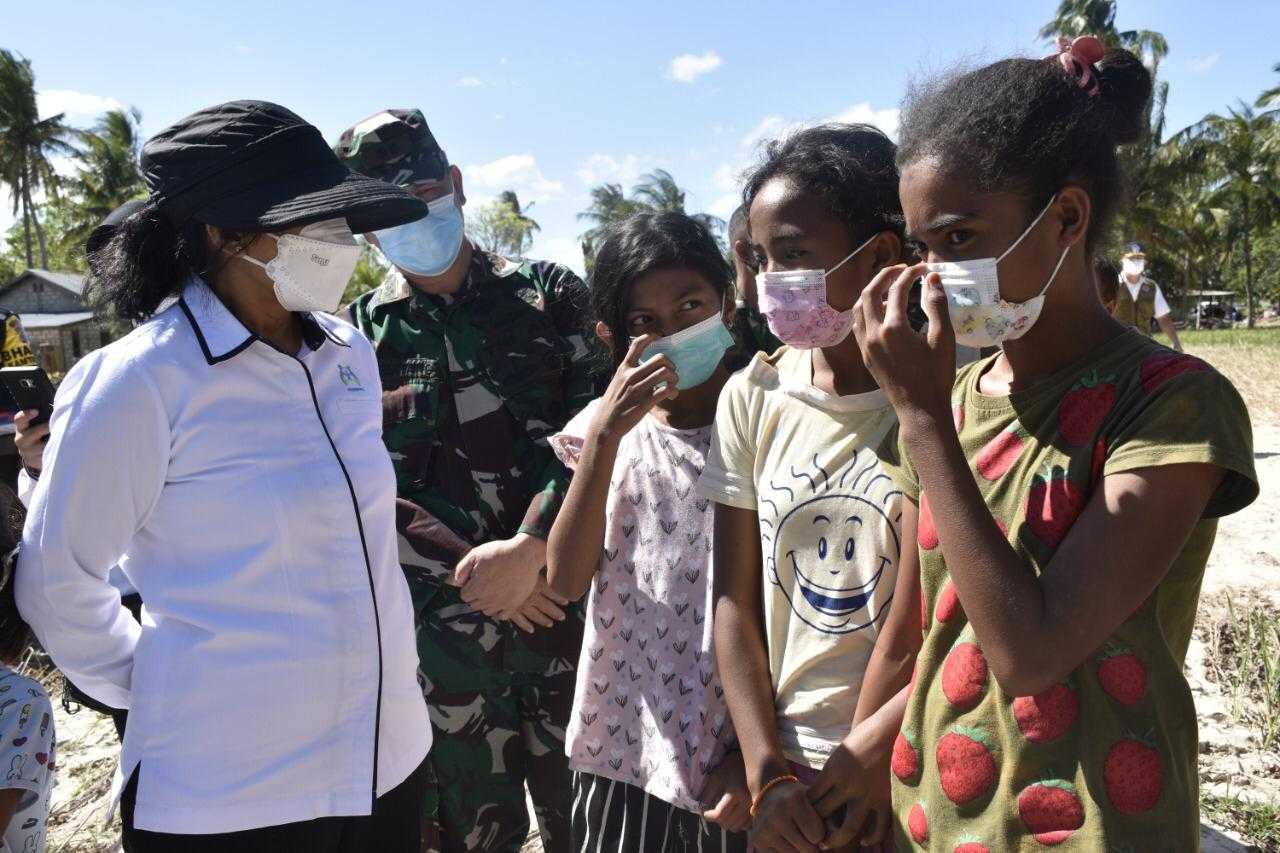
x=751, y=335
x=473, y=386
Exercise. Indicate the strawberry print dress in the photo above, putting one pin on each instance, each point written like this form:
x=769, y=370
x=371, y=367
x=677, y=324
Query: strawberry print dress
x=648, y=709
x=1106, y=759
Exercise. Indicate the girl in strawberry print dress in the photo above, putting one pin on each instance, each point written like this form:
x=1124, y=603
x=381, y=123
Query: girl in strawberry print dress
x=28, y=743
x=649, y=740
x=1068, y=487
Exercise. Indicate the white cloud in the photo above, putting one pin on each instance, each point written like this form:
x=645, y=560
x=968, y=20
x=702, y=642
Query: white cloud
x=470, y=82
x=770, y=127
x=724, y=206
x=688, y=67
x=1201, y=64
x=885, y=119
x=76, y=105
x=243, y=48
x=776, y=126
x=605, y=168
x=517, y=172
x=561, y=250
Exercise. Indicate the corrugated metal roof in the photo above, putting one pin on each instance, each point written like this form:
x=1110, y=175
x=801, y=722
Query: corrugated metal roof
x=54, y=321
x=71, y=281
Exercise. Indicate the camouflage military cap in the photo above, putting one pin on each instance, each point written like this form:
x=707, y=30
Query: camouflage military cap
x=394, y=146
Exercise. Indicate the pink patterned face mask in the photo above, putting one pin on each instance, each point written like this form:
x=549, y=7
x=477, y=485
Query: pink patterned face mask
x=795, y=304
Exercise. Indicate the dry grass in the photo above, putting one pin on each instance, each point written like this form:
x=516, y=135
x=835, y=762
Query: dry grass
x=1242, y=638
x=1250, y=358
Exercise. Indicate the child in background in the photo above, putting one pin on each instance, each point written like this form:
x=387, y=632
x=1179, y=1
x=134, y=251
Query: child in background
x=809, y=528
x=28, y=747
x=649, y=740
x=749, y=326
x=1068, y=487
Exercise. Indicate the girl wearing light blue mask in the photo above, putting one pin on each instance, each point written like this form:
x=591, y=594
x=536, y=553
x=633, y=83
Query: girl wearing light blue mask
x=634, y=523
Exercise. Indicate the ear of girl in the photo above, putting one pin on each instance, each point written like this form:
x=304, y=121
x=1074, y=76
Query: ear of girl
x=1078, y=448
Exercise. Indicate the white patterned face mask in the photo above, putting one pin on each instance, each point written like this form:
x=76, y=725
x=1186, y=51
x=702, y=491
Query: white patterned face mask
x=311, y=269
x=979, y=315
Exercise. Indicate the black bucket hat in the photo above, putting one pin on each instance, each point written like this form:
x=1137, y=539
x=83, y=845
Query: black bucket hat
x=256, y=166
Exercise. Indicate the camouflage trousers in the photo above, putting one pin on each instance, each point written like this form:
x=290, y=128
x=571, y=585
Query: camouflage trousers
x=498, y=724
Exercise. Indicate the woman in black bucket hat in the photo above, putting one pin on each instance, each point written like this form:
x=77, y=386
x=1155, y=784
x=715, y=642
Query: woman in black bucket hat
x=227, y=454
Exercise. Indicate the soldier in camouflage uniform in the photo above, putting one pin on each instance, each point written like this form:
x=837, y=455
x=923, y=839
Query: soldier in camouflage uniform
x=750, y=330
x=480, y=364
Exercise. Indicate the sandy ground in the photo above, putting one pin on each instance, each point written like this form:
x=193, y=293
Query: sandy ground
x=1246, y=557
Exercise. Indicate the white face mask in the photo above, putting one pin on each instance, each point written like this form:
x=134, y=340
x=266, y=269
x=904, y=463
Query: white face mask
x=311, y=269
x=979, y=315
x=1133, y=267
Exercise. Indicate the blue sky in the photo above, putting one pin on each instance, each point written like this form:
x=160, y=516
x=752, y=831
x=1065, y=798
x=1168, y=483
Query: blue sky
x=548, y=97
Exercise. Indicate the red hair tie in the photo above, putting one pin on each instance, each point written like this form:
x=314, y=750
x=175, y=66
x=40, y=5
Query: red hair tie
x=1079, y=57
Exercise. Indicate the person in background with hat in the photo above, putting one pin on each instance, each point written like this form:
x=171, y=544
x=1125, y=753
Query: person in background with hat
x=482, y=359
x=1140, y=299
x=227, y=455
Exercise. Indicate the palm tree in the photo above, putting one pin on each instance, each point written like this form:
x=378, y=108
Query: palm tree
x=1098, y=18
x=659, y=191
x=27, y=146
x=1271, y=97
x=609, y=205
x=502, y=226
x=108, y=170
x=1243, y=177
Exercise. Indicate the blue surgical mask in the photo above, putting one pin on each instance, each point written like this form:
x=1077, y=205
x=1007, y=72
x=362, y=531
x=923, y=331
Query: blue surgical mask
x=695, y=352
x=426, y=246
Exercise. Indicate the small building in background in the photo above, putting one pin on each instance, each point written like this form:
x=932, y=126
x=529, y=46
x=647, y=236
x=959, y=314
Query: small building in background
x=60, y=326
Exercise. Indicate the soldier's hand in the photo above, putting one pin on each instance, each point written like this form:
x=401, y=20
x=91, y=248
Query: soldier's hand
x=29, y=440
x=498, y=577
x=544, y=608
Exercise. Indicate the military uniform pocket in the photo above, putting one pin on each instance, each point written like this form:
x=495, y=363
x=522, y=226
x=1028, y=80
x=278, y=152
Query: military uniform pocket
x=410, y=390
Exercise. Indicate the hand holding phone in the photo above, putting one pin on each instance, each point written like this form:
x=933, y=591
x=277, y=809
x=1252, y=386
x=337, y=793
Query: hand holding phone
x=31, y=390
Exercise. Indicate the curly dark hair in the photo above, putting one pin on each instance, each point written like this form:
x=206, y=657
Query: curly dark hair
x=850, y=166
x=639, y=245
x=148, y=259
x=1026, y=127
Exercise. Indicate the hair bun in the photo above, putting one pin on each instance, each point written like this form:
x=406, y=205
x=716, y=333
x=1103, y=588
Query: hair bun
x=1125, y=91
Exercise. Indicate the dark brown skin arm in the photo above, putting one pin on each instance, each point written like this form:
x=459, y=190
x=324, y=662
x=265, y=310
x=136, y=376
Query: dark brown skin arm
x=9, y=799
x=1166, y=326
x=894, y=655
x=1035, y=630
x=741, y=653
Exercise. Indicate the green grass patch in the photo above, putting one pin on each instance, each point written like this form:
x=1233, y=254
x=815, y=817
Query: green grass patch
x=1261, y=340
x=1256, y=823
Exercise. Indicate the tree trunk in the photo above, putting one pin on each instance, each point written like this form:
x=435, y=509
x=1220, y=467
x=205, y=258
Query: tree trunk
x=26, y=211
x=44, y=254
x=35, y=220
x=1248, y=267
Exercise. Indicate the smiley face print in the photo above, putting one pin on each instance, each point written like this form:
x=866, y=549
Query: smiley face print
x=833, y=554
